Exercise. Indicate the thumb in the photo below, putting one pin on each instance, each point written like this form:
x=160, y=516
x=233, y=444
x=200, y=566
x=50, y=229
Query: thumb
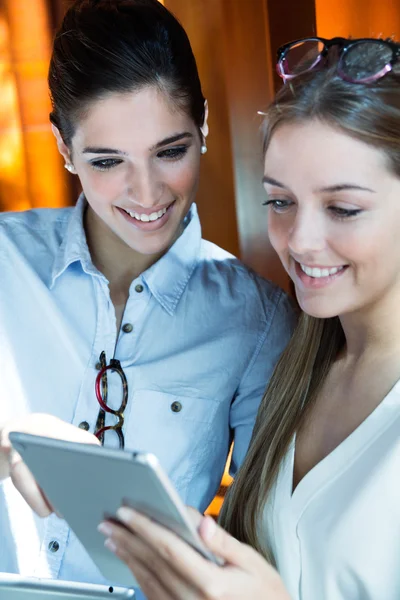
x=222, y=544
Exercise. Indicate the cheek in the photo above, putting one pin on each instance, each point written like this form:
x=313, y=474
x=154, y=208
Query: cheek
x=183, y=178
x=278, y=233
x=361, y=247
x=102, y=185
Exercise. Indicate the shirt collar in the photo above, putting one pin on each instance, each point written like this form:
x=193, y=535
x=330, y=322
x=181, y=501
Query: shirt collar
x=74, y=246
x=166, y=279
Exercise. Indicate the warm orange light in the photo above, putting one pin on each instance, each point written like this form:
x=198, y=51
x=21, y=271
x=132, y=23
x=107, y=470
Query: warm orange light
x=357, y=18
x=216, y=504
x=13, y=184
x=34, y=160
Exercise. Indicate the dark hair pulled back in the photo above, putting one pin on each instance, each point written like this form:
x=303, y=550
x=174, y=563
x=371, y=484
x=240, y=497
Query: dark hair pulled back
x=106, y=46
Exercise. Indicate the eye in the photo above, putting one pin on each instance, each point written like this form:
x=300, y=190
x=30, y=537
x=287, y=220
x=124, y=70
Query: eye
x=174, y=153
x=278, y=206
x=104, y=164
x=344, y=213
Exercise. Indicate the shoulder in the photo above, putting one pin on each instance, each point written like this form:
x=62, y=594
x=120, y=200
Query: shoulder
x=217, y=267
x=41, y=226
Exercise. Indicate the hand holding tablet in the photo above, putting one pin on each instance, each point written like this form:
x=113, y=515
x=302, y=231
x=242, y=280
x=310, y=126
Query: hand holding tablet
x=12, y=465
x=87, y=484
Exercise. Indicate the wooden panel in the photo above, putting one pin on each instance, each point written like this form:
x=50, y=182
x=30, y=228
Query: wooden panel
x=248, y=72
x=202, y=20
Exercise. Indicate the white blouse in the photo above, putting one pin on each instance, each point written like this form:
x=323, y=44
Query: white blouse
x=337, y=536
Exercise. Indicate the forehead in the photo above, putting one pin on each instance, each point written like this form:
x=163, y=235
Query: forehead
x=318, y=154
x=147, y=116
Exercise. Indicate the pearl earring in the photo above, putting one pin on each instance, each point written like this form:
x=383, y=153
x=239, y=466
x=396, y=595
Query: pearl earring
x=70, y=167
x=203, y=149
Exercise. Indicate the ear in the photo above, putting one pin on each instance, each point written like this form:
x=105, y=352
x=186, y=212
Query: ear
x=61, y=145
x=204, y=128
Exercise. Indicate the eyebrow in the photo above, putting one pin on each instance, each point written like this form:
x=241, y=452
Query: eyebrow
x=331, y=188
x=164, y=142
x=271, y=181
x=172, y=139
x=100, y=150
x=345, y=187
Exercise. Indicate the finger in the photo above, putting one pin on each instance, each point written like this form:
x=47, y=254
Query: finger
x=48, y=426
x=178, y=556
x=149, y=568
x=222, y=544
x=25, y=483
x=195, y=516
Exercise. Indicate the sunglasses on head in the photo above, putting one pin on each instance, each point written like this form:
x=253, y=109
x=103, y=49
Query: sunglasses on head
x=363, y=60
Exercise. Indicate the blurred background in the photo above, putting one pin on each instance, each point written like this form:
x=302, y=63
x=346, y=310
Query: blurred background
x=234, y=42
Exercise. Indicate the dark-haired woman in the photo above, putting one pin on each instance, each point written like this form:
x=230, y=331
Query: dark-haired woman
x=118, y=304
x=319, y=492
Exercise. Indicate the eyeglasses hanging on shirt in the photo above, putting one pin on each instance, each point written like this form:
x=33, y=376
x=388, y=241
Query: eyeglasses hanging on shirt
x=101, y=388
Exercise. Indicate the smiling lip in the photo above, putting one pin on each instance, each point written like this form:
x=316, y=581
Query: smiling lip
x=152, y=225
x=319, y=280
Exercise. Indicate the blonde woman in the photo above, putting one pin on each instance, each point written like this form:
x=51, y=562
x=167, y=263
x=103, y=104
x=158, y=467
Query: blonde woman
x=318, y=494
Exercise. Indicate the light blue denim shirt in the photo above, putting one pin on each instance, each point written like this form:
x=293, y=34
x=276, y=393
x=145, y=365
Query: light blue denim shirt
x=206, y=332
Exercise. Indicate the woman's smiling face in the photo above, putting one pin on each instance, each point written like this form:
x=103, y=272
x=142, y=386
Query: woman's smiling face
x=137, y=157
x=333, y=217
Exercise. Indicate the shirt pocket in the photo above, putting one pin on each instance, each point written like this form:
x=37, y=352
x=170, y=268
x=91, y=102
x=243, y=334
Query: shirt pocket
x=181, y=431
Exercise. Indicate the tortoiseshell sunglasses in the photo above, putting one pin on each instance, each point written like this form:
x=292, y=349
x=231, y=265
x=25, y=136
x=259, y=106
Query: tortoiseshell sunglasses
x=101, y=388
x=362, y=60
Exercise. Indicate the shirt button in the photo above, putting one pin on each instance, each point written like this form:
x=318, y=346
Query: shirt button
x=176, y=407
x=139, y=288
x=127, y=328
x=54, y=546
x=84, y=425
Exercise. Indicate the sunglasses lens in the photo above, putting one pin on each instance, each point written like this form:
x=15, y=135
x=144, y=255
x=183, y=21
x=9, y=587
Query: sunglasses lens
x=365, y=59
x=302, y=57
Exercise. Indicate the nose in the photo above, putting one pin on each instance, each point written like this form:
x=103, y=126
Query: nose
x=145, y=187
x=307, y=235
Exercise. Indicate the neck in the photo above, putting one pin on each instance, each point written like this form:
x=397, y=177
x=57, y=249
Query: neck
x=375, y=330
x=119, y=263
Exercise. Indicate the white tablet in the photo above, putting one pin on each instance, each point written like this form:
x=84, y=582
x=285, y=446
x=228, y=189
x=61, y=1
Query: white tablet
x=86, y=483
x=15, y=587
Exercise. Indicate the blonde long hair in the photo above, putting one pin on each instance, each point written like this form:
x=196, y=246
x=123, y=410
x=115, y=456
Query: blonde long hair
x=370, y=113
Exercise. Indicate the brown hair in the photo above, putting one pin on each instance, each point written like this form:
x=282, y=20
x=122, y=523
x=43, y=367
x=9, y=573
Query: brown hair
x=370, y=113
x=107, y=46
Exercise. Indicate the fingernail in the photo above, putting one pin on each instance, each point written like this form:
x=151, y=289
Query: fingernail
x=110, y=545
x=208, y=528
x=125, y=514
x=105, y=529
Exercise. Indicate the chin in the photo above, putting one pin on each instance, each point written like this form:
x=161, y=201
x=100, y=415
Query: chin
x=152, y=247
x=318, y=309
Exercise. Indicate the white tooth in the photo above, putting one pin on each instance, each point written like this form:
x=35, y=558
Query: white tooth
x=317, y=272
x=136, y=215
x=161, y=213
x=307, y=270
x=153, y=216
x=144, y=218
